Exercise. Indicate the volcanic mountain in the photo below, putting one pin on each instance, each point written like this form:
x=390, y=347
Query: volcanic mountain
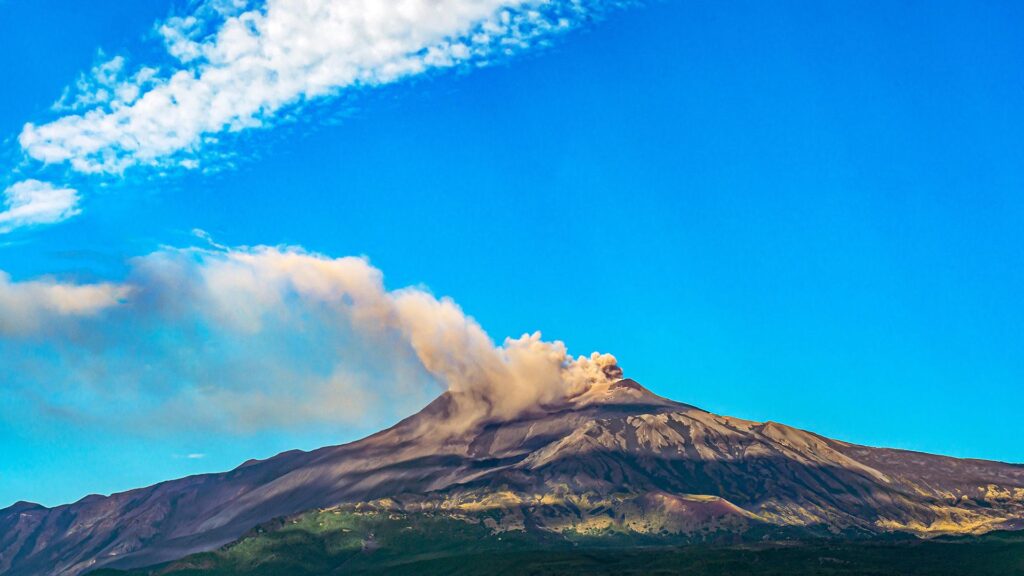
x=616, y=458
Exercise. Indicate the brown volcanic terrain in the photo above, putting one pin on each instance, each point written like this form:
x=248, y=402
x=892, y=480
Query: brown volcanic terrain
x=618, y=456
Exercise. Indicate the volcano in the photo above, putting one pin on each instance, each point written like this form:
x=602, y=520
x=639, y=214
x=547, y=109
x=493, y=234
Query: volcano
x=615, y=459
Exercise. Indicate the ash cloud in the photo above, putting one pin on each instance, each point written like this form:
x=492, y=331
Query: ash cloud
x=246, y=339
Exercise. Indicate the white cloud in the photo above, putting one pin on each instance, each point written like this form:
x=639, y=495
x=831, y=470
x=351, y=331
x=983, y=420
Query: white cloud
x=31, y=202
x=254, y=338
x=237, y=66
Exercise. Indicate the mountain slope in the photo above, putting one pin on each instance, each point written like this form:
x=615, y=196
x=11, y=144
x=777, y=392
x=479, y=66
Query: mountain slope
x=359, y=541
x=617, y=457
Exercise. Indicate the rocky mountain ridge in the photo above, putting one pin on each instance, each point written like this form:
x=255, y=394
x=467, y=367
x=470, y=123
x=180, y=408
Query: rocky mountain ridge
x=617, y=457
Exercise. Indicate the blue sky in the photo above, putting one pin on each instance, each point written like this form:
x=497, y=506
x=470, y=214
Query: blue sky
x=803, y=213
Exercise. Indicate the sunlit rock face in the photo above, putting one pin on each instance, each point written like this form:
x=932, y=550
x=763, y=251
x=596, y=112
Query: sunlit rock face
x=613, y=456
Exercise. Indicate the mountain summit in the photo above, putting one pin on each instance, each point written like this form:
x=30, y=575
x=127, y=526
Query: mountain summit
x=613, y=458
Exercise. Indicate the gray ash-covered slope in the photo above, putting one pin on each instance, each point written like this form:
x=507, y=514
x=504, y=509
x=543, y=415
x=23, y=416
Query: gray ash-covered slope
x=615, y=458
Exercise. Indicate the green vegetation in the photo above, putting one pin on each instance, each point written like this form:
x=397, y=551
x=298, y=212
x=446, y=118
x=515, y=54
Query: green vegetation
x=352, y=542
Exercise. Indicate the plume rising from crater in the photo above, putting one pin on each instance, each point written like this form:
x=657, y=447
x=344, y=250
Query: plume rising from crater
x=244, y=338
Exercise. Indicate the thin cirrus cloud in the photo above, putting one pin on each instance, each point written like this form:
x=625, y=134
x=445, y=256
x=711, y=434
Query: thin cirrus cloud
x=32, y=202
x=239, y=65
x=246, y=339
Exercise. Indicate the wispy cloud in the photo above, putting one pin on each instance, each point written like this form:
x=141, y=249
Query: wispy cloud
x=31, y=307
x=239, y=64
x=31, y=202
x=243, y=339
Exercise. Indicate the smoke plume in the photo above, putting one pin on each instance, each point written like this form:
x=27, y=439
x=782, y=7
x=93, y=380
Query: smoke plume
x=244, y=339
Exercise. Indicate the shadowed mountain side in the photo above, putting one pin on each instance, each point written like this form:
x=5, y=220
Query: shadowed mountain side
x=766, y=473
x=614, y=454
